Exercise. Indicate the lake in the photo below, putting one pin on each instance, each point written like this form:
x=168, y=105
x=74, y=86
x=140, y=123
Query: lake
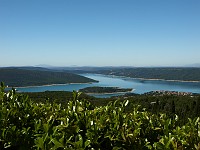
x=139, y=85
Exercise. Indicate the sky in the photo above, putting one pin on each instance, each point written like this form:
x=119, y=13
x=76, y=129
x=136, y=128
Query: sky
x=99, y=32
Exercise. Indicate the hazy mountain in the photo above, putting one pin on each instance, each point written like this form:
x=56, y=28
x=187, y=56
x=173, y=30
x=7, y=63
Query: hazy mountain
x=194, y=65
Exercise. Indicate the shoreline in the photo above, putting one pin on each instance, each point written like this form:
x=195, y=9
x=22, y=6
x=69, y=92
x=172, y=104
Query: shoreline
x=112, y=76
x=47, y=85
x=149, y=79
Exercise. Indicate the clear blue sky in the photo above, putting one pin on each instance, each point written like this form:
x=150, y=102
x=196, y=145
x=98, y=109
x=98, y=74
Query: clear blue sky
x=99, y=32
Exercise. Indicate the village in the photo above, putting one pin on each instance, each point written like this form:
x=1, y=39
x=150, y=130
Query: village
x=163, y=92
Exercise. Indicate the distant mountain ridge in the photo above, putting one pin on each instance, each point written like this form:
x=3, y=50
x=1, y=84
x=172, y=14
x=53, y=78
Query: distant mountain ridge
x=194, y=65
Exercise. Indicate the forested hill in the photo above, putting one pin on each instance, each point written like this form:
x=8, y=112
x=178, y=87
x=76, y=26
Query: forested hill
x=184, y=74
x=22, y=77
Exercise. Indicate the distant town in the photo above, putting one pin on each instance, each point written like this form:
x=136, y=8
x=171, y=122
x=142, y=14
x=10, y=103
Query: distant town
x=163, y=92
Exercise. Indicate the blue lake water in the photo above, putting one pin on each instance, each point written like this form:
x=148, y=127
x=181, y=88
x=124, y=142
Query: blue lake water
x=140, y=86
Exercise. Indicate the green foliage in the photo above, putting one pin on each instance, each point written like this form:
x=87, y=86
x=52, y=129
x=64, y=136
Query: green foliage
x=25, y=124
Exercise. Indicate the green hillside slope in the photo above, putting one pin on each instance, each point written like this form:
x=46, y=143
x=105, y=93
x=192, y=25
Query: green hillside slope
x=184, y=74
x=20, y=77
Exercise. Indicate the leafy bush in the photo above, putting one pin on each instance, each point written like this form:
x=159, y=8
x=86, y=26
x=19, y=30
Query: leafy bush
x=79, y=125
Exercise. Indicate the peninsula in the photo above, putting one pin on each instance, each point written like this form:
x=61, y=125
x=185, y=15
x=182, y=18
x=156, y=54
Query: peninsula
x=103, y=90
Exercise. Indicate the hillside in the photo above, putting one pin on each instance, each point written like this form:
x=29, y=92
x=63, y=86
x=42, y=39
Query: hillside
x=163, y=73
x=22, y=77
x=182, y=74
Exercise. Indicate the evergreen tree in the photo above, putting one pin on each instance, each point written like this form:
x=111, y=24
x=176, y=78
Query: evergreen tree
x=173, y=109
x=197, y=108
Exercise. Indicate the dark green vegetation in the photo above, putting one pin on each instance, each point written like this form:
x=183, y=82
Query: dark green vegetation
x=58, y=97
x=185, y=74
x=25, y=124
x=165, y=73
x=21, y=77
x=97, y=89
x=184, y=106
